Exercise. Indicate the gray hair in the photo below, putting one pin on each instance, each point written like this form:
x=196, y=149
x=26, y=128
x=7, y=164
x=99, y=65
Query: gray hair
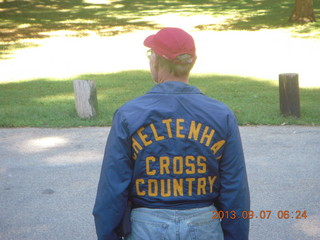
x=180, y=66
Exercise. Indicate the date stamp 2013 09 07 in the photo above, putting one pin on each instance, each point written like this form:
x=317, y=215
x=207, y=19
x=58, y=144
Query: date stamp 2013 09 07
x=262, y=214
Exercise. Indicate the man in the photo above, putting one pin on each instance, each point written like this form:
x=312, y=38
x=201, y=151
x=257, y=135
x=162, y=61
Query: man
x=176, y=154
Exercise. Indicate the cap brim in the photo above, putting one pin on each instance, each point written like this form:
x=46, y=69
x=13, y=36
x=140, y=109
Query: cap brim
x=148, y=42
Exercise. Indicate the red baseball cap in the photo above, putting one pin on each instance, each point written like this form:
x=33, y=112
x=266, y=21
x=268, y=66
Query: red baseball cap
x=169, y=43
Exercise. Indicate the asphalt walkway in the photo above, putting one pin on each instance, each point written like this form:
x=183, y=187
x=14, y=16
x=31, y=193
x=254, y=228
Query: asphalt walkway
x=48, y=181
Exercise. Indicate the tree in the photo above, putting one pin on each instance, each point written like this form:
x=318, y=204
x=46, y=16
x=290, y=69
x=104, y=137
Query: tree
x=303, y=12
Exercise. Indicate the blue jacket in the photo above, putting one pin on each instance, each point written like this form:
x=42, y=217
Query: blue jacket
x=173, y=148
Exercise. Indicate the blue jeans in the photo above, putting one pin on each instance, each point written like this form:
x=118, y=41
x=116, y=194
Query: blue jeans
x=167, y=224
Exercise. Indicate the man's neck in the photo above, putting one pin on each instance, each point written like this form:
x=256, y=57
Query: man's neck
x=183, y=80
x=163, y=77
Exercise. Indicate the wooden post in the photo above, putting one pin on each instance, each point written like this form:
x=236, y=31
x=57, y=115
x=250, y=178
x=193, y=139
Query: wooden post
x=86, y=102
x=289, y=94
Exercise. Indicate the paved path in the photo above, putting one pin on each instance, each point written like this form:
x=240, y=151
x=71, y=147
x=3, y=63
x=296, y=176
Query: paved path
x=48, y=180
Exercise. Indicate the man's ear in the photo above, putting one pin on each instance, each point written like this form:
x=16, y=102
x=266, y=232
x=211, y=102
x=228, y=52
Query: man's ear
x=156, y=63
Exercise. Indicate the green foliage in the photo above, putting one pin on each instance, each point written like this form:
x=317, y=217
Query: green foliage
x=25, y=19
x=50, y=103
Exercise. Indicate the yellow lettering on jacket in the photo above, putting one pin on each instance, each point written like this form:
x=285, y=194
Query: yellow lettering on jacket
x=155, y=133
x=148, y=171
x=194, y=130
x=136, y=147
x=190, y=182
x=190, y=164
x=201, y=189
x=139, y=192
x=152, y=187
x=215, y=147
x=164, y=165
x=177, y=165
x=177, y=187
x=143, y=137
x=174, y=186
x=167, y=122
x=201, y=162
x=207, y=136
x=179, y=128
x=165, y=193
x=211, y=182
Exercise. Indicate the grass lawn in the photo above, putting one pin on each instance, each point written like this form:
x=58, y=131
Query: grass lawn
x=50, y=103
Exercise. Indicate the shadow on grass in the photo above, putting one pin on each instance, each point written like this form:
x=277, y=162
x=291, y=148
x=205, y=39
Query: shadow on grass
x=50, y=103
x=28, y=19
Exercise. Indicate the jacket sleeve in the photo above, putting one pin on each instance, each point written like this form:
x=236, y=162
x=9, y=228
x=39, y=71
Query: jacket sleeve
x=115, y=177
x=234, y=191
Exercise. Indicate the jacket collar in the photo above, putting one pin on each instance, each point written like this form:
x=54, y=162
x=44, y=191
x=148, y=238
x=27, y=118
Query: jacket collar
x=174, y=87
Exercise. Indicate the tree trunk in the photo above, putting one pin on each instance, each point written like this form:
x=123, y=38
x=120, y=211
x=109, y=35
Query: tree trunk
x=303, y=12
x=86, y=102
x=289, y=94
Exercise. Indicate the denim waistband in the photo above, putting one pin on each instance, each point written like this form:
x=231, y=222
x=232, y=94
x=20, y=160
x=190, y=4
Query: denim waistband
x=173, y=214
